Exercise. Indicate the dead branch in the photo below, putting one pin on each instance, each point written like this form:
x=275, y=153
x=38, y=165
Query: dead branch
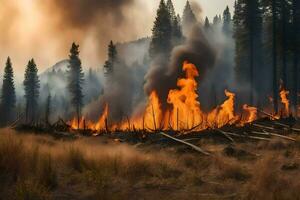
x=198, y=149
x=225, y=134
x=280, y=136
x=267, y=114
x=263, y=126
x=247, y=136
x=12, y=125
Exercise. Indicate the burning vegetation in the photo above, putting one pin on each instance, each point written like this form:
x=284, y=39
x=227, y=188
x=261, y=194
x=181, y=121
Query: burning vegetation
x=192, y=111
x=183, y=113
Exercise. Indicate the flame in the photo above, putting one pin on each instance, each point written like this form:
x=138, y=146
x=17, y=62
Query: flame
x=251, y=113
x=184, y=113
x=285, y=101
x=223, y=114
x=101, y=124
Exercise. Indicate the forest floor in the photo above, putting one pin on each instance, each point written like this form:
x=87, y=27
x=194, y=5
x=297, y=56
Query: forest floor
x=37, y=167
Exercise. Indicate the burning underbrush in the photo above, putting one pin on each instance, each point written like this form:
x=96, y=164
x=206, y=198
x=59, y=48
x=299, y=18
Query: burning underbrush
x=183, y=111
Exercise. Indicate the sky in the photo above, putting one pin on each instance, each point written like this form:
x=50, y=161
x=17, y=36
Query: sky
x=45, y=29
x=209, y=7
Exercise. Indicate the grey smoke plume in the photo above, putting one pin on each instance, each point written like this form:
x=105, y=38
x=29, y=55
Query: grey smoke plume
x=196, y=50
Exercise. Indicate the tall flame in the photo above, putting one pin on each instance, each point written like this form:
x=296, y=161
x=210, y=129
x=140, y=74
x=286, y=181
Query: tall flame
x=285, y=101
x=186, y=111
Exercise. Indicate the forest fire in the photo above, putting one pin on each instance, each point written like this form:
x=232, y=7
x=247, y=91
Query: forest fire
x=184, y=111
x=285, y=101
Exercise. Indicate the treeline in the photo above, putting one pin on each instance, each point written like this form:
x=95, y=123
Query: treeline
x=31, y=85
x=267, y=42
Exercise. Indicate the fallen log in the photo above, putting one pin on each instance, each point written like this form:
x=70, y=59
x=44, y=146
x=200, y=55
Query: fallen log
x=194, y=147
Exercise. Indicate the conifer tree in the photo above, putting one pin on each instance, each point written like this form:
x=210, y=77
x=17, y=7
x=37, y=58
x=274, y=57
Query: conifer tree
x=248, y=35
x=8, y=94
x=161, y=32
x=241, y=71
x=217, y=20
x=170, y=7
x=112, y=58
x=75, y=80
x=188, y=19
x=206, y=23
x=227, y=21
x=32, y=86
x=295, y=51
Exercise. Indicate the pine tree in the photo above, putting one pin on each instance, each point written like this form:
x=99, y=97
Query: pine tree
x=248, y=35
x=177, y=30
x=75, y=80
x=161, y=32
x=8, y=94
x=217, y=20
x=188, y=19
x=295, y=51
x=284, y=12
x=170, y=7
x=112, y=58
x=227, y=21
x=32, y=86
x=206, y=23
x=241, y=69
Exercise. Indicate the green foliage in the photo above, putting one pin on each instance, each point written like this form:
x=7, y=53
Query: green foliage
x=8, y=94
x=32, y=86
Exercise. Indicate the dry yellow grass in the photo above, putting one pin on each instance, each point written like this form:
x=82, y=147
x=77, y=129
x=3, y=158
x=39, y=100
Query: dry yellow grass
x=39, y=167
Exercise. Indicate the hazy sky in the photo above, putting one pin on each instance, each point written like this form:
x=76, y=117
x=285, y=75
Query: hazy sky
x=210, y=7
x=45, y=29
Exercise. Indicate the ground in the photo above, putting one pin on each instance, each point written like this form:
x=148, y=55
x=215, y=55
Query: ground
x=41, y=167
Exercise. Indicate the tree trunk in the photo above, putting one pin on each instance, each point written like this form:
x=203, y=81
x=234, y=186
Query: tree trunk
x=295, y=53
x=275, y=79
x=284, y=45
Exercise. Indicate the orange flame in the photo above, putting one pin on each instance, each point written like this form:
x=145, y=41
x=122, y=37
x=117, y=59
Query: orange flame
x=223, y=114
x=185, y=112
x=251, y=113
x=285, y=101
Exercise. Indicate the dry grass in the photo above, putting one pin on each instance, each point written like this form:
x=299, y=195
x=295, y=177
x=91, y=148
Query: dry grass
x=39, y=167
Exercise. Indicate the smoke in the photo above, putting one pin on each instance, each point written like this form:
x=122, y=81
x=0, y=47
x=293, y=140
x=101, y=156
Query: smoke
x=118, y=95
x=162, y=75
x=45, y=29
